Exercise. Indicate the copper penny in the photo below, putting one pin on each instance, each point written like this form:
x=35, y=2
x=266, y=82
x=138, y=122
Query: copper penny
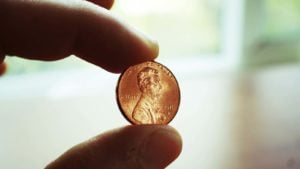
x=148, y=93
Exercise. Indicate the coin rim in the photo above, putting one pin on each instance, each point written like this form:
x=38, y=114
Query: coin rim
x=119, y=102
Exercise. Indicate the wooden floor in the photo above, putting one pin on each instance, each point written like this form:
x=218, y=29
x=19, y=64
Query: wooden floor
x=228, y=120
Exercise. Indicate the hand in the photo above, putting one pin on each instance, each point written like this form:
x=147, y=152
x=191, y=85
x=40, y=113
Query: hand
x=51, y=30
x=54, y=29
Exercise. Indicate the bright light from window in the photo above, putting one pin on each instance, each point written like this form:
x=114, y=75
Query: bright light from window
x=283, y=17
x=182, y=28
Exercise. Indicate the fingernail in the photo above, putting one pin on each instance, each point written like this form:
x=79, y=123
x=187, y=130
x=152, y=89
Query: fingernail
x=155, y=49
x=150, y=42
x=160, y=148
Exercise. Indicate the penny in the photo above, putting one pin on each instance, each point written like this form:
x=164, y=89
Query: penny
x=148, y=93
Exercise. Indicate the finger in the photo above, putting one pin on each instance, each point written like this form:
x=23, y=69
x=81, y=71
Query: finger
x=2, y=68
x=104, y=3
x=1, y=57
x=51, y=30
x=132, y=147
x=2, y=64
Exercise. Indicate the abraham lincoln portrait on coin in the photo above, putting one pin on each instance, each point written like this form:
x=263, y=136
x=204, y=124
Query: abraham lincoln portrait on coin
x=147, y=110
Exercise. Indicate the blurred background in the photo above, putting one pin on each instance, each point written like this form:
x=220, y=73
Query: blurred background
x=237, y=63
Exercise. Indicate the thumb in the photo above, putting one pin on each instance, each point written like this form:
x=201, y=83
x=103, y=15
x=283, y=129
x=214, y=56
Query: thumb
x=131, y=147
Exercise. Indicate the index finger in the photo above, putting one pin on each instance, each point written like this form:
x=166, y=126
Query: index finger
x=51, y=30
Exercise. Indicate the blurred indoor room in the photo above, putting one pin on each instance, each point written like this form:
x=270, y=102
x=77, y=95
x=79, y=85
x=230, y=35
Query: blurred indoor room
x=237, y=64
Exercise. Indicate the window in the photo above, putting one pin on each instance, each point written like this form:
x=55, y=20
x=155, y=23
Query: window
x=283, y=17
x=182, y=28
x=271, y=33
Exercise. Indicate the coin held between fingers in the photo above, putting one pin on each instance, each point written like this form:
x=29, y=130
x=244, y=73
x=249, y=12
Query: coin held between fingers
x=148, y=93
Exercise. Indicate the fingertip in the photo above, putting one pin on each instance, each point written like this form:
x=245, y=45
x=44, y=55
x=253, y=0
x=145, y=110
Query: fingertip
x=151, y=44
x=161, y=148
x=3, y=68
x=104, y=3
x=152, y=146
x=139, y=48
x=114, y=49
x=153, y=49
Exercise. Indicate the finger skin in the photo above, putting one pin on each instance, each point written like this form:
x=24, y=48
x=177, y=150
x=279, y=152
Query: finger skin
x=131, y=147
x=104, y=3
x=1, y=57
x=53, y=29
x=2, y=64
x=2, y=68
